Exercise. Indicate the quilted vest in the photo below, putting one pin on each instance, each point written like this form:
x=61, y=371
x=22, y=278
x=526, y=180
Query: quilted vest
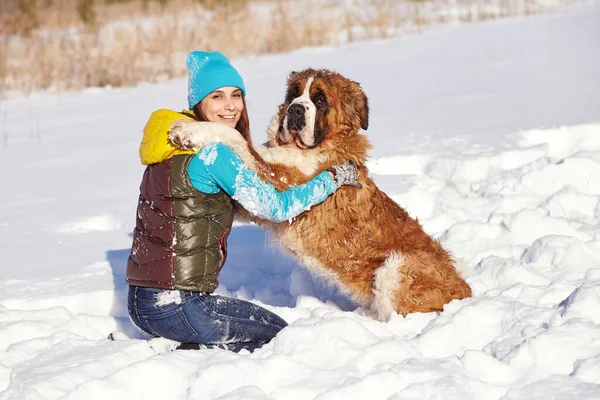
x=180, y=238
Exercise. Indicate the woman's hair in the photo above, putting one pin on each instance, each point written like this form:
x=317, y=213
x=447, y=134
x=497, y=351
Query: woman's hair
x=243, y=125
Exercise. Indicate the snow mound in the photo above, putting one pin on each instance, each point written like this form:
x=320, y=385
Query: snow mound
x=100, y=223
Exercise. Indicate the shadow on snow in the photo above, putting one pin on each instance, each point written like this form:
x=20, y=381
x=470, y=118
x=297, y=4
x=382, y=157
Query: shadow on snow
x=255, y=269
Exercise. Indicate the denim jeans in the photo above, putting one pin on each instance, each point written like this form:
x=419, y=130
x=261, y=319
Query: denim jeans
x=208, y=319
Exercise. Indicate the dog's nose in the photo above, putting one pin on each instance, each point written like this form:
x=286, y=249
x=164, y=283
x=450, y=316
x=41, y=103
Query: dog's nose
x=296, y=110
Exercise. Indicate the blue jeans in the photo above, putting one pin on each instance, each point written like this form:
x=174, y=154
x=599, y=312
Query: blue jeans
x=193, y=317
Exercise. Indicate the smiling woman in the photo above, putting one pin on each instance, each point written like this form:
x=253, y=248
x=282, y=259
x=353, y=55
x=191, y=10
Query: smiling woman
x=224, y=105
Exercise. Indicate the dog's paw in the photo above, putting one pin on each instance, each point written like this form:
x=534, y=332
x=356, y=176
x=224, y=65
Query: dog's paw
x=180, y=136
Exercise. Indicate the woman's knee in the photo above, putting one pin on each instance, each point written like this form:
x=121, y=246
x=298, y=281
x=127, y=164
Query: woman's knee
x=241, y=320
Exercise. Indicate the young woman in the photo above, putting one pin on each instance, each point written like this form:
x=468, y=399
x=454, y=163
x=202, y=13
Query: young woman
x=184, y=217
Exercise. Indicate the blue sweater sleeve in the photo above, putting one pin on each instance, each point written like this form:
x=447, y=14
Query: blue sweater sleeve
x=218, y=167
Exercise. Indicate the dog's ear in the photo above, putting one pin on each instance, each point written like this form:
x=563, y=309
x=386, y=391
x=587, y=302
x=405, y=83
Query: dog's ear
x=363, y=109
x=292, y=75
x=359, y=104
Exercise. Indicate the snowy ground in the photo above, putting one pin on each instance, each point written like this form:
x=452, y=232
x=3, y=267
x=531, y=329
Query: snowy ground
x=488, y=133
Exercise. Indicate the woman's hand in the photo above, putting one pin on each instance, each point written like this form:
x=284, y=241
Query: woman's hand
x=346, y=174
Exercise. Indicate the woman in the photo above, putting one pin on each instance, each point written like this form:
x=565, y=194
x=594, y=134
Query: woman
x=184, y=217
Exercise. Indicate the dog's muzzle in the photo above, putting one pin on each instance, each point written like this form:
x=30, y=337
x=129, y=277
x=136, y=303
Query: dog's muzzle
x=296, y=117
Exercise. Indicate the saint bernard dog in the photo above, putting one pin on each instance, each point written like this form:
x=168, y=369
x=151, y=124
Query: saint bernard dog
x=358, y=238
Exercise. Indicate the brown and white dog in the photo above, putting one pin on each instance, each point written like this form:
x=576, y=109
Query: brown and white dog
x=358, y=239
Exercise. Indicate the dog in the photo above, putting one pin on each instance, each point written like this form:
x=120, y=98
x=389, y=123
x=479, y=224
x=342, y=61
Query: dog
x=358, y=239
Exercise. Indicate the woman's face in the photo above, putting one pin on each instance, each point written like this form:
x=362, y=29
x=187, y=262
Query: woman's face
x=224, y=105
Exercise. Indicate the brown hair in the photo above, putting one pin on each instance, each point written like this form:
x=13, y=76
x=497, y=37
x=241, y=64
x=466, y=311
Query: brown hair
x=243, y=125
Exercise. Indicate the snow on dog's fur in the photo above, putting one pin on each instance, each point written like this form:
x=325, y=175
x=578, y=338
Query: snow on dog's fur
x=358, y=239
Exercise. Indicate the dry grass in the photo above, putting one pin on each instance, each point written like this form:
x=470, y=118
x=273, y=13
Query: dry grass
x=71, y=44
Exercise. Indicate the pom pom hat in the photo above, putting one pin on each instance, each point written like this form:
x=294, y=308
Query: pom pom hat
x=208, y=71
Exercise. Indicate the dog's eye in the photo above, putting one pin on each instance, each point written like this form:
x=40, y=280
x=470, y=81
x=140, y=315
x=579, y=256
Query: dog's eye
x=320, y=101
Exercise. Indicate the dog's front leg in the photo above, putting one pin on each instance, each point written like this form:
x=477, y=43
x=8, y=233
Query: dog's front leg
x=192, y=135
x=281, y=176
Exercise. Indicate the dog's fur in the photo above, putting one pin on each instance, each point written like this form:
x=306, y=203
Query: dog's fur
x=359, y=239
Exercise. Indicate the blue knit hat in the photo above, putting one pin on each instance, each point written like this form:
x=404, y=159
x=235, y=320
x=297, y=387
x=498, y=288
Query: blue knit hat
x=208, y=71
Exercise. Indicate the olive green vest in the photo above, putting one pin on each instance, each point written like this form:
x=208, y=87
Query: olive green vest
x=180, y=240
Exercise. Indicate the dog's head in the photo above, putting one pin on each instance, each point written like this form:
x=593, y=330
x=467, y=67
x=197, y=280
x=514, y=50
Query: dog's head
x=320, y=108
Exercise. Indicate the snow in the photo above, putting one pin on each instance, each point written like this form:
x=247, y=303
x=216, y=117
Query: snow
x=208, y=154
x=488, y=133
x=169, y=297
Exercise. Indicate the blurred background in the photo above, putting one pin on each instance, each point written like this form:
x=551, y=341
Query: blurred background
x=72, y=44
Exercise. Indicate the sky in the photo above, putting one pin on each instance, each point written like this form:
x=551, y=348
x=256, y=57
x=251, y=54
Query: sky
x=488, y=133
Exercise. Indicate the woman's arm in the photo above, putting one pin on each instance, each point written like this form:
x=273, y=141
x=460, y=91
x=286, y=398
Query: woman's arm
x=218, y=167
